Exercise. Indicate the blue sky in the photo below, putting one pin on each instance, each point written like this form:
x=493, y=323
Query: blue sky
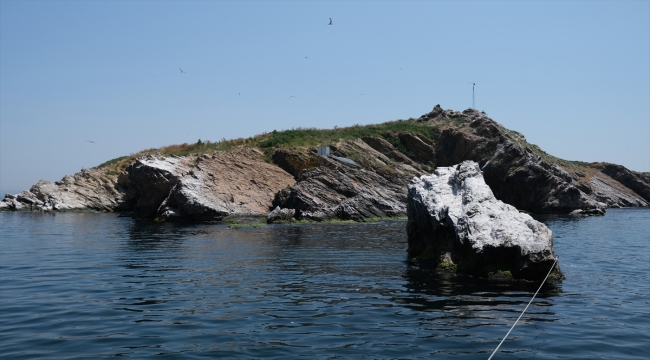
x=573, y=77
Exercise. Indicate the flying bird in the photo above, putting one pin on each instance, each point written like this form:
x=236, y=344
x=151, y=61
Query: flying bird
x=291, y=97
x=330, y=22
x=182, y=71
x=90, y=141
x=306, y=57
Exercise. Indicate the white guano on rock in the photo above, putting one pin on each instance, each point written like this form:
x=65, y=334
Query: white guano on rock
x=454, y=220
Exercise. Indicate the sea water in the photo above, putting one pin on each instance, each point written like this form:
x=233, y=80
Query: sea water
x=79, y=285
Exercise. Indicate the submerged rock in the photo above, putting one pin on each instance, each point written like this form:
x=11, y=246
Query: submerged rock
x=590, y=212
x=455, y=222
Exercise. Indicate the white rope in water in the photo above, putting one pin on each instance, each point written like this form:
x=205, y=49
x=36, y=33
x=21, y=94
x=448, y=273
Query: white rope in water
x=522, y=313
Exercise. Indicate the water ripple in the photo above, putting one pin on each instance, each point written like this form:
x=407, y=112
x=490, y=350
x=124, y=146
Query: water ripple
x=94, y=285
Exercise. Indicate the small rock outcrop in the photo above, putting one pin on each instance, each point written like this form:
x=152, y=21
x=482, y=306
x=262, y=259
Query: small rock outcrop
x=437, y=111
x=279, y=215
x=455, y=222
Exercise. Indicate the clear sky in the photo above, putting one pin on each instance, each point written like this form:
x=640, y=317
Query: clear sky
x=573, y=77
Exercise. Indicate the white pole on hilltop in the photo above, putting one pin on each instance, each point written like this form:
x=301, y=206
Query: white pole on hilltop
x=473, y=103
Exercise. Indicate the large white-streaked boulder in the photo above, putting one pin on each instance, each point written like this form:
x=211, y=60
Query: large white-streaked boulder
x=208, y=188
x=455, y=222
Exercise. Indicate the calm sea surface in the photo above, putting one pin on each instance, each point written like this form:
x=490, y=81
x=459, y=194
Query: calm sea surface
x=95, y=285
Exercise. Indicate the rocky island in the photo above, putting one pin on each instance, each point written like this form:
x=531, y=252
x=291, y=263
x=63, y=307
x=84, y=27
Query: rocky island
x=365, y=175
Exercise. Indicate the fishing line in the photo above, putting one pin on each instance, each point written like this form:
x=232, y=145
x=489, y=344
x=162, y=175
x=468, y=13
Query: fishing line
x=526, y=308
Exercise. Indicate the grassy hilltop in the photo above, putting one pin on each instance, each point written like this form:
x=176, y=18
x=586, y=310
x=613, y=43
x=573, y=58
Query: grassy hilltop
x=299, y=139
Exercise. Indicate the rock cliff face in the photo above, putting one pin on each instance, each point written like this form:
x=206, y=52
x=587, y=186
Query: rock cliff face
x=455, y=220
x=634, y=185
x=373, y=185
x=526, y=177
x=365, y=177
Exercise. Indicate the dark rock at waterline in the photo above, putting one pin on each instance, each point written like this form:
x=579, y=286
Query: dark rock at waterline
x=279, y=215
x=455, y=221
x=590, y=212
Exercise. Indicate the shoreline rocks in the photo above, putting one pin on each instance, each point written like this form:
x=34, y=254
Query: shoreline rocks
x=455, y=223
x=87, y=190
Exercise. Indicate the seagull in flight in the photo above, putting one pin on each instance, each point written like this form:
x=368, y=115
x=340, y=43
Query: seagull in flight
x=182, y=72
x=90, y=141
x=330, y=22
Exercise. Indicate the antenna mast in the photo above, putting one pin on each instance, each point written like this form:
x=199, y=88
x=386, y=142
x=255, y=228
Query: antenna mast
x=473, y=106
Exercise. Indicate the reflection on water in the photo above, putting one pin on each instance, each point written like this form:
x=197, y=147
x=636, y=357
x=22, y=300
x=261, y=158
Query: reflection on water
x=88, y=285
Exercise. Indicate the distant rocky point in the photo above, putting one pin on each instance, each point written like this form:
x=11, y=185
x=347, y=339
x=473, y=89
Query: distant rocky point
x=251, y=177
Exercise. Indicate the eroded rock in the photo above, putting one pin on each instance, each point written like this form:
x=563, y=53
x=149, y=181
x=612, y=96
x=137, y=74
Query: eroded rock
x=375, y=187
x=437, y=111
x=294, y=162
x=151, y=179
x=455, y=221
x=279, y=215
x=87, y=190
x=519, y=173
